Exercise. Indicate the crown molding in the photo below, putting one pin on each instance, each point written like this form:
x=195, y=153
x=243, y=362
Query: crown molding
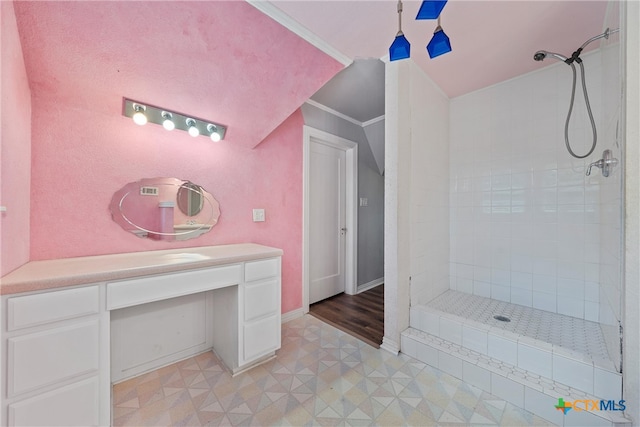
x=333, y=112
x=372, y=121
x=343, y=116
x=291, y=24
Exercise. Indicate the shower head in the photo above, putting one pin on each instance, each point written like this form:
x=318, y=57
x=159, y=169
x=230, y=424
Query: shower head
x=542, y=54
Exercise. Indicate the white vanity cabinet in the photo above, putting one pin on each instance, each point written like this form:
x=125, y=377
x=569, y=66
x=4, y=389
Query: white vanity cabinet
x=72, y=327
x=234, y=309
x=54, y=348
x=260, y=309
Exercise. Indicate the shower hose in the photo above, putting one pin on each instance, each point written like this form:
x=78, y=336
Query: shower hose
x=586, y=100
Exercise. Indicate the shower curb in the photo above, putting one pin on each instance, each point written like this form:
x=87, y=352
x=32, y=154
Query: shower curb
x=522, y=388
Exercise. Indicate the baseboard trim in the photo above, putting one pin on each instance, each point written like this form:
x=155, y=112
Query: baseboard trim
x=292, y=315
x=390, y=345
x=370, y=285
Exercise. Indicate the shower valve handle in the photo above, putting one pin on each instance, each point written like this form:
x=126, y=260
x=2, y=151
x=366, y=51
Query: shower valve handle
x=605, y=163
x=598, y=164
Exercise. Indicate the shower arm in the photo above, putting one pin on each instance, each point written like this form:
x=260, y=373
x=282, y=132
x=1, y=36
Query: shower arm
x=604, y=35
x=575, y=56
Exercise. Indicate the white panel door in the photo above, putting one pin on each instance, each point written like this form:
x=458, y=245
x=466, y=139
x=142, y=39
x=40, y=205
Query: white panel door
x=327, y=219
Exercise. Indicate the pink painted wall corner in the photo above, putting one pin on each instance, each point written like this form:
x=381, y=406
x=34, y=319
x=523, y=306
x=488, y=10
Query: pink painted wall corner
x=15, y=147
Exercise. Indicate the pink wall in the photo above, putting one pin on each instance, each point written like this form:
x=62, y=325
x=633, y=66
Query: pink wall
x=15, y=151
x=77, y=168
x=199, y=58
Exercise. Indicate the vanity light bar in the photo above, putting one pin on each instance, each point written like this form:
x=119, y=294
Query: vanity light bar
x=160, y=116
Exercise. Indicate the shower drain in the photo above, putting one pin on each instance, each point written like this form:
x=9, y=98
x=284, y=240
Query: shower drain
x=502, y=318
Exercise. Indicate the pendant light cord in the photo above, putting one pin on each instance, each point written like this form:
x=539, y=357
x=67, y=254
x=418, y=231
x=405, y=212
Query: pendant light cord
x=400, y=17
x=586, y=100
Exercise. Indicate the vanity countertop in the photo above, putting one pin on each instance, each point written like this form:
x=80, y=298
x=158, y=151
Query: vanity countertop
x=58, y=273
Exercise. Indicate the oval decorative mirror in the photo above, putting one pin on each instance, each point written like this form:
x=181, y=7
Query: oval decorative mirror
x=147, y=208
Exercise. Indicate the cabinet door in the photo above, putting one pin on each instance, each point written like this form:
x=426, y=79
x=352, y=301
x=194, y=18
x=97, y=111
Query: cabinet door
x=44, y=358
x=261, y=299
x=263, y=269
x=39, y=309
x=73, y=405
x=261, y=337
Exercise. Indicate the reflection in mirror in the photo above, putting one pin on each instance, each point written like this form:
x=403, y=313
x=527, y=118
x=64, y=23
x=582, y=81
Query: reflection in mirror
x=190, y=200
x=146, y=208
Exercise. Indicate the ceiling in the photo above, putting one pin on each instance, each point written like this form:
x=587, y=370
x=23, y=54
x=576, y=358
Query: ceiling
x=357, y=91
x=221, y=61
x=492, y=41
x=228, y=62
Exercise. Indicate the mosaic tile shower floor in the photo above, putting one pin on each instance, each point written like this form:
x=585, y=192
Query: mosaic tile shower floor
x=321, y=376
x=574, y=334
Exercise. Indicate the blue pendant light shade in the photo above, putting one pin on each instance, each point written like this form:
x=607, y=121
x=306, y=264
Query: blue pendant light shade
x=430, y=9
x=400, y=48
x=439, y=44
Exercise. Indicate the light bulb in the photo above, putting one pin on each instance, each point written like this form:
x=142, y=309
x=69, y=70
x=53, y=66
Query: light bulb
x=214, y=135
x=139, y=117
x=193, y=130
x=167, y=121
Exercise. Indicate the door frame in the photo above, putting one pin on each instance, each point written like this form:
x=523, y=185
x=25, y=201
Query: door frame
x=351, y=245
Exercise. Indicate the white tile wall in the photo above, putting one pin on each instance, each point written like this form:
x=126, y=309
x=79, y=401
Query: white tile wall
x=525, y=220
x=608, y=204
x=476, y=376
x=503, y=349
x=450, y=364
x=535, y=360
x=542, y=405
x=450, y=330
x=571, y=371
x=507, y=389
x=525, y=389
x=607, y=384
x=429, y=201
x=474, y=339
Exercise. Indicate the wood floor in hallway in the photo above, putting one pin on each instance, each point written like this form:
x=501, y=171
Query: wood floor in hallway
x=360, y=315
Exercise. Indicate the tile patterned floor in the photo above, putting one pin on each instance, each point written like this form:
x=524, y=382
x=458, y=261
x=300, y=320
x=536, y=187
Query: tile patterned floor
x=321, y=376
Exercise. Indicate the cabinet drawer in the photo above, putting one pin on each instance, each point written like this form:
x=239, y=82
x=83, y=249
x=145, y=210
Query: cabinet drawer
x=257, y=270
x=147, y=289
x=261, y=299
x=43, y=358
x=38, y=309
x=72, y=405
x=261, y=337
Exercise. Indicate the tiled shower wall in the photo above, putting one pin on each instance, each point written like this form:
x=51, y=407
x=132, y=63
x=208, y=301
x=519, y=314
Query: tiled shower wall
x=525, y=220
x=429, y=200
x=611, y=190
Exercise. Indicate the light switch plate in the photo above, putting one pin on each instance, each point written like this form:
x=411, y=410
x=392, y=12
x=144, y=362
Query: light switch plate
x=258, y=215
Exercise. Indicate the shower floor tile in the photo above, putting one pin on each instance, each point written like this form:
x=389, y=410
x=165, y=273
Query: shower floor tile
x=577, y=337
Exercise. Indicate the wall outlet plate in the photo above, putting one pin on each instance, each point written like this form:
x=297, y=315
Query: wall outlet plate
x=258, y=215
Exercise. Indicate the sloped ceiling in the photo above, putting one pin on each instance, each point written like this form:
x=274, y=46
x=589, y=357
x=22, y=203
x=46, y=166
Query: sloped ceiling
x=357, y=91
x=228, y=62
x=492, y=41
x=217, y=60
